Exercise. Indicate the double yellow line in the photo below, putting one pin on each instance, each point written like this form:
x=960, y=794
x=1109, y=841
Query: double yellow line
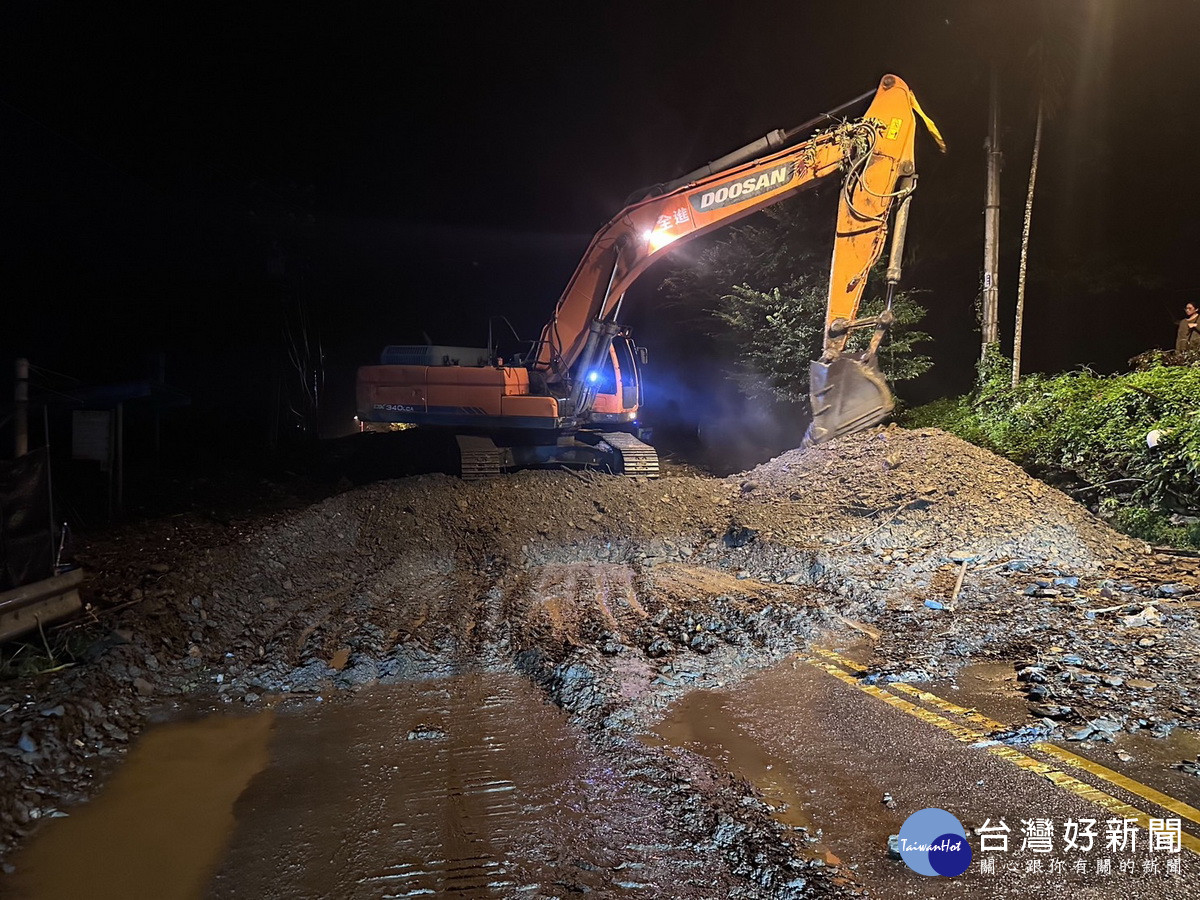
x=841, y=668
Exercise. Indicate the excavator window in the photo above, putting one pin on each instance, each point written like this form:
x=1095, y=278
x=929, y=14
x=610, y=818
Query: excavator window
x=629, y=378
x=605, y=381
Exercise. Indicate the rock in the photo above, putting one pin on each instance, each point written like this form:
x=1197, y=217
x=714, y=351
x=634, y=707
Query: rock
x=739, y=536
x=1037, y=590
x=143, y=687
x=893, y=845
x=1036, y=674
x=425, y=732
x=659, y=648
x=27, y=744
x=1148, y=617
x=1050, y=711
x=704, y=643
x=1174, y=590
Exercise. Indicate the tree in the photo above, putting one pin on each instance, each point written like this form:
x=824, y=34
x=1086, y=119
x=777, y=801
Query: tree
x=780, y=331
x=761, y=291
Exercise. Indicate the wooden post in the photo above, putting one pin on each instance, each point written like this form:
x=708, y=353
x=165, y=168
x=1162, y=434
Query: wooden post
x=991, y=223
x=120, y=459
x=50, y=488
x=21, y=423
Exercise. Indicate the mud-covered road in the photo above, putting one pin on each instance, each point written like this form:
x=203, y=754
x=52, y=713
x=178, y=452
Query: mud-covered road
x=691, y=687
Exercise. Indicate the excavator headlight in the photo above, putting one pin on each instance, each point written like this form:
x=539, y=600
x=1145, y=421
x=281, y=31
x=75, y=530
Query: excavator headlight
x=659, y=238
x=593, y=377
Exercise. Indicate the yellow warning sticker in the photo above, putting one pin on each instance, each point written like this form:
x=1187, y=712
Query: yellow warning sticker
x=894, y=128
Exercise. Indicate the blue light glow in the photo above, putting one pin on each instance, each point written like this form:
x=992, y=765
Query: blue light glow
x=593, y=377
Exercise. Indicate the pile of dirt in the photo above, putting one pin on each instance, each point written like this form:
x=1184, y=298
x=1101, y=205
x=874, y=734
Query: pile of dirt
x=931, y=494
x=616, y=595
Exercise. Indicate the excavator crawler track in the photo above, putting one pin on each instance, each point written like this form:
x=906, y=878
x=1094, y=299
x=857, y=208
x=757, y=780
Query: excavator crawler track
x=637, y=458
x=479, y=457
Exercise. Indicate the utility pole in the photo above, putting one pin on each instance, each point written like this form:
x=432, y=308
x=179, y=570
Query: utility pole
x=21, y=422
x=991, y=222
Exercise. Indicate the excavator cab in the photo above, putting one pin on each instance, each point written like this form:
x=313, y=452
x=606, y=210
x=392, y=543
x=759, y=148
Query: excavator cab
x=617, y=384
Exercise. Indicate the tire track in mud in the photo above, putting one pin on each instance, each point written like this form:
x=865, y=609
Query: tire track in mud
x=576, y=604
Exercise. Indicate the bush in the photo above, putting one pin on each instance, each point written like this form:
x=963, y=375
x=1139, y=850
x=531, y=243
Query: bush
x=1149, y=525
x=1091, y=430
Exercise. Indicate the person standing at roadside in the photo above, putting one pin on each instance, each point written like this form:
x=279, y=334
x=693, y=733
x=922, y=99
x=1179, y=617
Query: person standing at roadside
x=1187, y=338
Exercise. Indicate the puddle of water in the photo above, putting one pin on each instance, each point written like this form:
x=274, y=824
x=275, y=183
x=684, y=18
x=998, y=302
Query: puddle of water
x=416, y=790
x=1149, y=760
x=706, y=723
x=159, y=827
x=991, y=688
x=473, y=785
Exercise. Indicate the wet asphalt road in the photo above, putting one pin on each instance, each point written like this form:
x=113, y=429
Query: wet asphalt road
x=812, y=740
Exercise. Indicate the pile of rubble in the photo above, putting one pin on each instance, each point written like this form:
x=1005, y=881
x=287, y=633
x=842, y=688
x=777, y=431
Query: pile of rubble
x=607, y=589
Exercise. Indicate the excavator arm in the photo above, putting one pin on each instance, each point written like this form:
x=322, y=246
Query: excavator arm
x=875, y=155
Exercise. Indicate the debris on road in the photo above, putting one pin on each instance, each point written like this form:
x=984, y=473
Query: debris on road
x=617, y=596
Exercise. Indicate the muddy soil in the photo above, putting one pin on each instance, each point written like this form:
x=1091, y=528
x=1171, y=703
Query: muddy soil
x=616, y=597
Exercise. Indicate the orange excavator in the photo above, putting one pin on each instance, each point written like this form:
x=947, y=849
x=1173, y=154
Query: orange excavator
x=573, y=397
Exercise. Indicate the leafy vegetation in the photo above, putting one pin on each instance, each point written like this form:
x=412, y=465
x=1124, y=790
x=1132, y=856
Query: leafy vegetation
x=1090, y=433
x=779, y=331
x=760, y=291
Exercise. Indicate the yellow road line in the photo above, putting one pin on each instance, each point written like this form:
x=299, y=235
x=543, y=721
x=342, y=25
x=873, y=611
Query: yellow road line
x=834, y=655
x=1166, y=801
x=1144, y=791
x=971, y=715
x=1017, y=758
x=974, y=716
x=964, y=734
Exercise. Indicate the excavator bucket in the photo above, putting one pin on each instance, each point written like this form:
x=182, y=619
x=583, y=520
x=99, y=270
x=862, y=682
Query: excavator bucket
x=848, y=395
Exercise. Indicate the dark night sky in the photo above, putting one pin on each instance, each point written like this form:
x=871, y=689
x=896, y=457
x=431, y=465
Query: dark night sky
x=418, y=166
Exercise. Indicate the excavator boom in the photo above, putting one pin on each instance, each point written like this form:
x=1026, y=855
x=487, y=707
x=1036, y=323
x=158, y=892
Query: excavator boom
x=875, y=154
